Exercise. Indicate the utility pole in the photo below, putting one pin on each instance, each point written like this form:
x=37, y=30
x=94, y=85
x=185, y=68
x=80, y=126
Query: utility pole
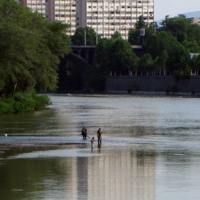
x=85, y=36
x=96, y=38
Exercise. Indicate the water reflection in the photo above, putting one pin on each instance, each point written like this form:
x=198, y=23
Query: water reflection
x=99, y=148
x=116, y=174
x=32, y=123
x=122, y=175
x=150, y=150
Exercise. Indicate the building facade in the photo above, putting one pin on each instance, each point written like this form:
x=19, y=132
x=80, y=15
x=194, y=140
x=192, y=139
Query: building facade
x=104, y=16
x=195, y=20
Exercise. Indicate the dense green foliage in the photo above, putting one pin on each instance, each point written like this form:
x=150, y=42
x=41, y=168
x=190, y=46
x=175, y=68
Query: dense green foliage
x=115, y=55
x=78, y=37
x=30, y=48
x=117, y=35
x=23, y=102
x=165, y=51
x=169, y=48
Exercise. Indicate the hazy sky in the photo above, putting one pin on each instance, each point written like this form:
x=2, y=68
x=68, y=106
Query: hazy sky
x=174, y=7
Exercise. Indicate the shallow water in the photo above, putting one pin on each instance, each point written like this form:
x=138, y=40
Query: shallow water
x=150, y=150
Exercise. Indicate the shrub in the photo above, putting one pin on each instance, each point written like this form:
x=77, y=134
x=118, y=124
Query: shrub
x=4, y=108
x=23, y=102
x=19, y=107
x=41, y=101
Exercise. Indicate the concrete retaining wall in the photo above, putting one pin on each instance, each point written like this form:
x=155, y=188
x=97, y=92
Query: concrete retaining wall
x=121, y=84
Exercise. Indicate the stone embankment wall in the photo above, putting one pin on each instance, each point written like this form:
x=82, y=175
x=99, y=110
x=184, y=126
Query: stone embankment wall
x=121, y=84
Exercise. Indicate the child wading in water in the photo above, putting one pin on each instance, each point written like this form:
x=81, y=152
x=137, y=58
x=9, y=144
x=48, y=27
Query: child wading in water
x=92, y=143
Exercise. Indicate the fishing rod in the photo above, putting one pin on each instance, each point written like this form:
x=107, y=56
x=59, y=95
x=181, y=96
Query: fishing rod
x=109, y=120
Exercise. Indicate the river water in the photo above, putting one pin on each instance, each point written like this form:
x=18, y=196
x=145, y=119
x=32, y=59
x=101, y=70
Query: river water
x=150, y=150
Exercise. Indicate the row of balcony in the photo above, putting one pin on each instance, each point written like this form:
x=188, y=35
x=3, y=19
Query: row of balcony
x=115, y=19
x=91, y=14
x=122, y=1
x=122, y=25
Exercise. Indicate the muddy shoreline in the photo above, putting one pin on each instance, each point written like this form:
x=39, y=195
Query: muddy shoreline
x=11, y=142
x=10, y=146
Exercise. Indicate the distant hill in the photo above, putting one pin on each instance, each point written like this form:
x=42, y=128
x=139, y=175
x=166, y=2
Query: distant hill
x=188, y=15
x=192, y=14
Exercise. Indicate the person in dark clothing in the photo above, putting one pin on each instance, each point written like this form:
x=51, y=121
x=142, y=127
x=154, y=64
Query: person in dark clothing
x=84, y=133
x=99, y=133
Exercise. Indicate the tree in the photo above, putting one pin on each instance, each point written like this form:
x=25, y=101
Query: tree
x=178, y=26
x=134, y=37
x=192, y=46
x=102, y=53
x=194, y=62
x=149, y=31
x=178, y=59
x=140, y=23
x=146, y=63
x=30, y=48
x=152, y=46
x=78, y=37
x=166, y=42
x=162, y=41
x=121, y=55
x=194, y=33
x=117, y=35
x=115, y=55
x=160, y=61
x=154, y=24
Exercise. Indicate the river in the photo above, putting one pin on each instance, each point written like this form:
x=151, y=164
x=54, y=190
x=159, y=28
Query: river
x=150, y=150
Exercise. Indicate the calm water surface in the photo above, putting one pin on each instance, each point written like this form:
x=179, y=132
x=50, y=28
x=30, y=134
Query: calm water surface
x=150, y=150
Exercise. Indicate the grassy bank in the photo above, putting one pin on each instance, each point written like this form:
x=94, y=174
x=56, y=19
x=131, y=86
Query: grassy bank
x=23, y=102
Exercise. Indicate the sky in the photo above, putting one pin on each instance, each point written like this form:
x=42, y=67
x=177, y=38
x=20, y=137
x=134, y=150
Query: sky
x=174, y=7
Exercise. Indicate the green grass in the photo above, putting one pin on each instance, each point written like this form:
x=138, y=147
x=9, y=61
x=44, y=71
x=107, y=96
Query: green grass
x=23, y=102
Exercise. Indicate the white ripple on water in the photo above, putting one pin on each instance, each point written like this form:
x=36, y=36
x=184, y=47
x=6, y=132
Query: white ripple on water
x=61, y=153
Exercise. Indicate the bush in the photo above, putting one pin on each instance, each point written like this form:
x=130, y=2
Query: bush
x=4, y=108
x=23, y=102
x=19, y=107
x=42, y=101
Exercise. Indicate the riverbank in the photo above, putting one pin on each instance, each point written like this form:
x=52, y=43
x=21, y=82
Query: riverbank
x=125, y=94
x=23, y=102
x=153, y=85
x=7, y=143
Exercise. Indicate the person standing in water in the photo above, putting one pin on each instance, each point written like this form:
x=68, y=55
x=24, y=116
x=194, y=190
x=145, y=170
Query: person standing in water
x=84, y=133
x=99, y=135
x=92, y=142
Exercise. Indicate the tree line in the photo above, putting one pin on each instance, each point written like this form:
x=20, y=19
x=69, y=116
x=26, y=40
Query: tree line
x=166, y=49
x=30, y=49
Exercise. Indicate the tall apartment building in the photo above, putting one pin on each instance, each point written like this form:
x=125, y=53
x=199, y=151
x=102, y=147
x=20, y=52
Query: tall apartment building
x=104, y=16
